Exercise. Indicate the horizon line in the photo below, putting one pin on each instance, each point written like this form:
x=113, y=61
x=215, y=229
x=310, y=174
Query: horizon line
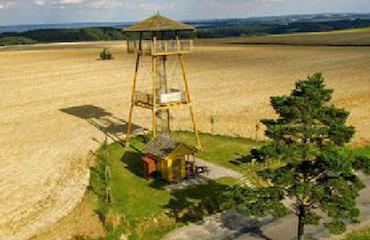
x=188, y=20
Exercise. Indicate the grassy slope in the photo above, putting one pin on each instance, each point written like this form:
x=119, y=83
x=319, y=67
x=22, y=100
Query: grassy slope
x=144, y=205
x=229, y=152
x=351, y=37
x=133, y=198
x=361, y=235
x=141, y=204
x=222, y=150
x=363, y=151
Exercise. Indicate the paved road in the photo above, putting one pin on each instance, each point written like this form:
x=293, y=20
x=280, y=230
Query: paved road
x=234, y=226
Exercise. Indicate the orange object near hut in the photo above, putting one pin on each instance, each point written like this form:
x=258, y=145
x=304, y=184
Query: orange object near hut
x=149, y=167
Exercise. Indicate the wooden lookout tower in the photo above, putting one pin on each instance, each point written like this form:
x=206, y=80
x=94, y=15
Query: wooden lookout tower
x=162, y=40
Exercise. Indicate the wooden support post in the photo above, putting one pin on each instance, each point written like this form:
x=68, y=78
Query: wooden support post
x=154, y=49
x=154, y=92
x=108, y=195
x=108, y=190
x=178, y=43
x=188, y=99
x=107, y=173
x=133, y=96
x=163, y=114
x=257, y=130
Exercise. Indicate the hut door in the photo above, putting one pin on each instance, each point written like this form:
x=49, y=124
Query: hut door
x=176, y=170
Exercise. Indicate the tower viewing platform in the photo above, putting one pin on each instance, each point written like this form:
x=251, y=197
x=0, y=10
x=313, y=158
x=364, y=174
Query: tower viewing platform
x=163, y=40
x=158, y=36
x=160, y=47
x=173, y=98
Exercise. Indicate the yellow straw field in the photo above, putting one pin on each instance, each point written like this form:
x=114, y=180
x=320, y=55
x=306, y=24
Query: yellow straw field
x=58, y=102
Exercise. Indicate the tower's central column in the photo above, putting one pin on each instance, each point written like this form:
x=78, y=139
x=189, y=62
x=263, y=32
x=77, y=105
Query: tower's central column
x=163, y=116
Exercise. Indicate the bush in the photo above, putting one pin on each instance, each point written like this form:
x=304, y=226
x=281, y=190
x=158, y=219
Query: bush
x=106, y=54
x=5, y=41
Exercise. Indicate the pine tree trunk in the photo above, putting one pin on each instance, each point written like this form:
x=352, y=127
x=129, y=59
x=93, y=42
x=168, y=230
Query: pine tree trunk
x=301, y=217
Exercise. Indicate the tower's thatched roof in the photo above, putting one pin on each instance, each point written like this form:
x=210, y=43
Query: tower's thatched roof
x=158, y=23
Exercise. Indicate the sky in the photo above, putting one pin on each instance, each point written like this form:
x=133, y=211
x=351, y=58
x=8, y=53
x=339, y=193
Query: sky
x=15, y=12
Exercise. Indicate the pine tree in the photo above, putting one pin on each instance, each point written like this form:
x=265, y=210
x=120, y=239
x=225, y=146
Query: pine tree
x=308, y=137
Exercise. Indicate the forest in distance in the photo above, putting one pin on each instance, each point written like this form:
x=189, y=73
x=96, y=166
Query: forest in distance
x=211, y=29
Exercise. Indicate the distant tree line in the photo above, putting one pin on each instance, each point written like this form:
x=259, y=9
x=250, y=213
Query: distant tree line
x=62, y=35
x=5, y=41
x=209, y=30
x=238, y=30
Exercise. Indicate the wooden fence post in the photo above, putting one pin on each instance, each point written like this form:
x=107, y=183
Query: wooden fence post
x=108, y=190
x=107, y=173
x=108, y=195
x=257, y=130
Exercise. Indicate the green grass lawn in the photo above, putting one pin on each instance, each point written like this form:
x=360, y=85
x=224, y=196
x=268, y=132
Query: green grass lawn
x=361, y=235
x=133, y=199
x=143, y=208
x=363, y=151
x=222, y=150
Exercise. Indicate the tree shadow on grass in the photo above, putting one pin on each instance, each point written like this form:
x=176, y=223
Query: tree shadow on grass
x=195, y=202
x=241, y=159
x=106, y=122
x=132, y=162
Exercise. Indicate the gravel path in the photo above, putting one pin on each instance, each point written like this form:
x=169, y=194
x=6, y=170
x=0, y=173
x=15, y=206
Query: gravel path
x=215, y=172
x=234, y=226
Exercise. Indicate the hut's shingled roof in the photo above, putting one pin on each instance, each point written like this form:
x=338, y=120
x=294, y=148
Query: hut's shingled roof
x=159, y=23
x=162, y=146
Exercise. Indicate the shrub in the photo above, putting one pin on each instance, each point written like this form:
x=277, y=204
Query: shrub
x=5, y=41
x=106, y=54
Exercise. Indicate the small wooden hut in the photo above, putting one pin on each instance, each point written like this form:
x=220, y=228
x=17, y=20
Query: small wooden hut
x=168, y=158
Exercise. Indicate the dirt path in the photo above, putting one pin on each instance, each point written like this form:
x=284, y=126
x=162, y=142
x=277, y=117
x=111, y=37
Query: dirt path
x=56, y=102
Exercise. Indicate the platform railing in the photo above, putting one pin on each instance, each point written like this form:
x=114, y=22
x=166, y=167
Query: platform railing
x=160, y=47
x=174, y=96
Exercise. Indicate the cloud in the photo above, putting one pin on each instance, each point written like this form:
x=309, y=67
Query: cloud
x=274, y=1
x=57, y=11
x=64, y=3
x=70, y=2
x=7, y=5
x=39, y=2
x=87, y=4
x=105, y=4
x=152, y=6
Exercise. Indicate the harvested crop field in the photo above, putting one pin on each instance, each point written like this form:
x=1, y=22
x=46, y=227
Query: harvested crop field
x=351, y=37
x=58, y=102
